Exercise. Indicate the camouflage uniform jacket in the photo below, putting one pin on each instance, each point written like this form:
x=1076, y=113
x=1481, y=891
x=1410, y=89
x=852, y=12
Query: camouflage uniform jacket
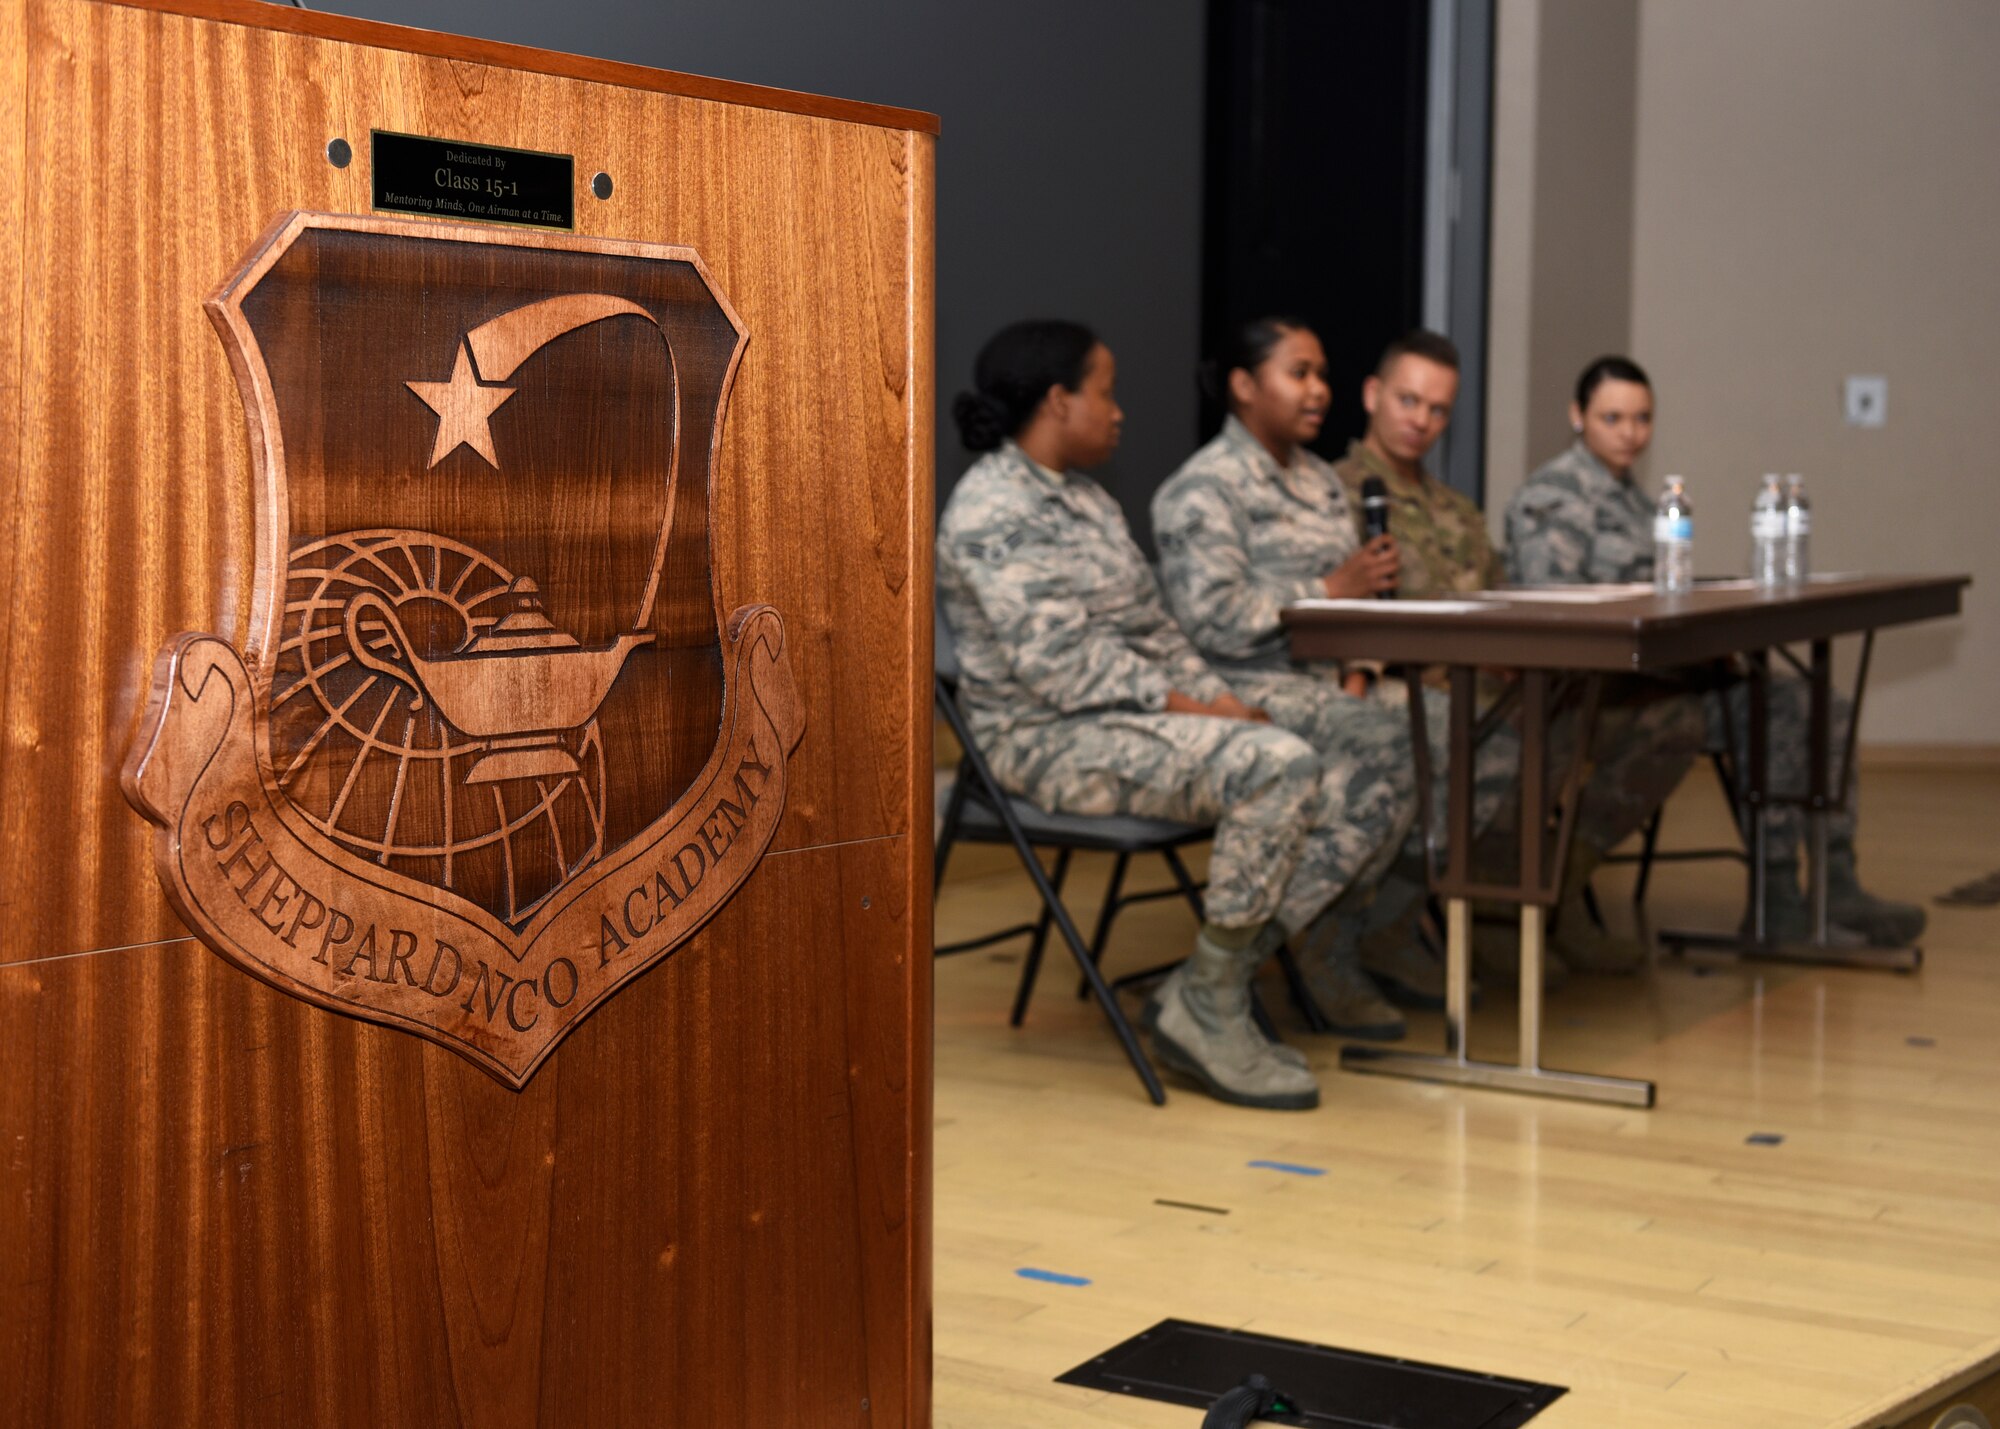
x=1053, y=606
x=1441, y=535
x=1241, y=538
x=1574, y=522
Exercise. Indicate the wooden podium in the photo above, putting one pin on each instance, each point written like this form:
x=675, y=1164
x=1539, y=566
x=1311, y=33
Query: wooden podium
x=465, y=792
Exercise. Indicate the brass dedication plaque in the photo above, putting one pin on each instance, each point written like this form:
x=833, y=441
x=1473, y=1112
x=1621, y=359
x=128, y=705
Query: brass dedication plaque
x=489, y=750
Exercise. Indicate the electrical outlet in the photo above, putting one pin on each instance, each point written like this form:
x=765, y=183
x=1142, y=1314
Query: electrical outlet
x=1867, y=401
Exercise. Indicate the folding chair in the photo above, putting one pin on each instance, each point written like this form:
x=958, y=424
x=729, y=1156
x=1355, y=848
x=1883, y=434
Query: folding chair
x=980, y=811
x=1651, y=853
x=1722, y=760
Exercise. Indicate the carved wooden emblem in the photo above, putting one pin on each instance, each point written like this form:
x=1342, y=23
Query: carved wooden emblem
x=489, y=749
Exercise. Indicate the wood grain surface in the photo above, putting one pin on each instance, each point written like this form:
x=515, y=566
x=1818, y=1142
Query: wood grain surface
x=225, y=1205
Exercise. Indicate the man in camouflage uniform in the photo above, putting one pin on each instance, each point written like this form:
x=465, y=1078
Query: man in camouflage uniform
x=1241, y=538
x=1643, y=745
x=1069, y=664
x=1576, y=521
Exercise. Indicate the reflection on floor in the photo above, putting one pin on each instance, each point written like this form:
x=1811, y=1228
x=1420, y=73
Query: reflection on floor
x=1806, y=1229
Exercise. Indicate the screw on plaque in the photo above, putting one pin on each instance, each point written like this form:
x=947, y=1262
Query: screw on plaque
x=339, y=153
x=600, y=184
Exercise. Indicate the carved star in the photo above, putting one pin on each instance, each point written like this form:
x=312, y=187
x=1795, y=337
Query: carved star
x=464, y=408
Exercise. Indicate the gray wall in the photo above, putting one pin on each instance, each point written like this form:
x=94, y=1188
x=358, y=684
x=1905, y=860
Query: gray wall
x=1069, y=168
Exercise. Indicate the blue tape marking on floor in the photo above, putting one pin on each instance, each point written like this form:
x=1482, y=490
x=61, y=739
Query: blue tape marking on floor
x=1763, y=1138
x=1921, y=1041
x=1289, y=1168
x=1052, y=1277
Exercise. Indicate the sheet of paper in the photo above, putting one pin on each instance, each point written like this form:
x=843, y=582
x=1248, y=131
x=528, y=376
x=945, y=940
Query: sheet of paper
x=1395, y=607
x=1571, y=594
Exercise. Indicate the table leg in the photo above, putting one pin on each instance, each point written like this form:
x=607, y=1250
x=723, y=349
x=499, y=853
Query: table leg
x=1818, y=748
x=1534, y=889
x=1760, y=783
x=1534, y=919
x=1823, y=796
x=1457, y=976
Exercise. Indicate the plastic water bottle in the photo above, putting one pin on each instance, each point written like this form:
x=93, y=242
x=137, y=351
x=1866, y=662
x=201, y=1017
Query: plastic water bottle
x=1673, y=540
x=1767, y=535
x=1798, y=531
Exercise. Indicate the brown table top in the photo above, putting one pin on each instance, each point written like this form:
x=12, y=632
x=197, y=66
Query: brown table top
x=1636, y=631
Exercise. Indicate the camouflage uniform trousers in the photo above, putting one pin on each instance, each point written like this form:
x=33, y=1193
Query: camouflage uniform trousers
x=1291, y=831
x=1787, y=755
x=1647, y=738
x=1377, y=730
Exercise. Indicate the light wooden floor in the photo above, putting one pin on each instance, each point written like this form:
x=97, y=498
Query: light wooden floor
x=1664, y=1270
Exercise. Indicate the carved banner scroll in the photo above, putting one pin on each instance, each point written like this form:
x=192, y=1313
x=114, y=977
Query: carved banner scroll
x=487, y=753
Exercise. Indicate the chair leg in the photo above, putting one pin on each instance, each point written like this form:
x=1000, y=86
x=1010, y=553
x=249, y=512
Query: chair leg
x=1646, y=851
x=1025, y=851
x=1590, y=906
x=1430, y=932
x=1033, y=967
x=1106, y=999
x=1190, y=890
x=954, y=809
x=1102, y=933
x=1186, y=886
x=1725, y=773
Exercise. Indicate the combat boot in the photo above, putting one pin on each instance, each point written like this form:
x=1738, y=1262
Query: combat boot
x=1884, y=922
x=1496, y=951
x=1204, y=1030
x=1788, y=918
x=1269, y=940
x=1398, y=963
x=1405, y=967
x=1409, y=972
x=1353, y=1004
x=1576, y=935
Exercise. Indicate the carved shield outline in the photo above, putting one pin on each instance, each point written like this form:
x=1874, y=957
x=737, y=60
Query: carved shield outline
x=760, y=709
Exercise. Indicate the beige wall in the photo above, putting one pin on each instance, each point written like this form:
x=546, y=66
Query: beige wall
x=1561, y=275
x=1510, y=279
x=1814, y=191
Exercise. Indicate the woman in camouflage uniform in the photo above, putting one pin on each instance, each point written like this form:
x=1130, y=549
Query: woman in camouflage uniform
x=1583, y=518
x=1255, y=521
x=1088, y=699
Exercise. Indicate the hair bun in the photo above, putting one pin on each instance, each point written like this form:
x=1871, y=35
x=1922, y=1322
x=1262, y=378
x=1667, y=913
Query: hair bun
x=1012, y=376
x=982, y=422
x=1248, y=346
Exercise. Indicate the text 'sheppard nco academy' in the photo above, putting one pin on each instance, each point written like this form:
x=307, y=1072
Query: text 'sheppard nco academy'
x=442, y=801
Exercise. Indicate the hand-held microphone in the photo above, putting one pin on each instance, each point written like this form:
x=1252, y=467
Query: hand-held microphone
x=1375, y=519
